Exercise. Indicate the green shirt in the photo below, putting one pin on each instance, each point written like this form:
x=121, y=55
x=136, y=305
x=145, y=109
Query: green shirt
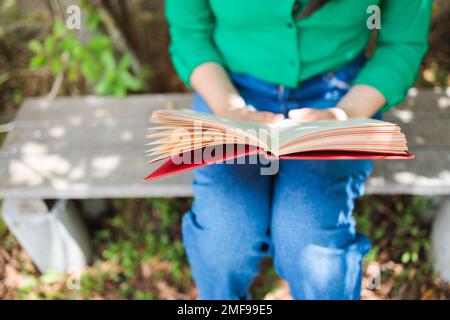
x=261, y=38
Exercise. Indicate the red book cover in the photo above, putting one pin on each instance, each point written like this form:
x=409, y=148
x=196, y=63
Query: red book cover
x=171, y=166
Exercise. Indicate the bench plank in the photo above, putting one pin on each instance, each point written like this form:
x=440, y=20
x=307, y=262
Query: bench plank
x=93, y=147
x=92, y=109
x=426, y=102
x=113, y=134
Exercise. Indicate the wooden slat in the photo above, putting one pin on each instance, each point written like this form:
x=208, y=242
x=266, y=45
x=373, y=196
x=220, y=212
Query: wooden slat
x=105, y=175
x=92, y=110
x=426, y=102
x=109, y=174
x=427, y=174
x=92, y=147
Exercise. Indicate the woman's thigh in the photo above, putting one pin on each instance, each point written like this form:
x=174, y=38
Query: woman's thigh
x=313, y=202
x=232, y=199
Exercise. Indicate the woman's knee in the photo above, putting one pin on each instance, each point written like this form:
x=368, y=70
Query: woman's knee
x=323, y=268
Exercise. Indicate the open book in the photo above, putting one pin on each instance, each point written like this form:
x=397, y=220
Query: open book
x=184, y=140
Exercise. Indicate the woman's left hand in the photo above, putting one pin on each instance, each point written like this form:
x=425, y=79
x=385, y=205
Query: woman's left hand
x=361, y=101
x=310, y=114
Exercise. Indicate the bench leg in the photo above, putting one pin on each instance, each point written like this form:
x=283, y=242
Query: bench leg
x=55, y=239
x=440, y=239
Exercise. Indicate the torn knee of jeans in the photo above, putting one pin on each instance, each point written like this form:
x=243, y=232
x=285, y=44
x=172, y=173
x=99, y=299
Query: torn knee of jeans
x=360, y=245
x=332, y=271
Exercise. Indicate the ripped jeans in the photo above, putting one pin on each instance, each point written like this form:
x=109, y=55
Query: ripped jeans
x=302, y=216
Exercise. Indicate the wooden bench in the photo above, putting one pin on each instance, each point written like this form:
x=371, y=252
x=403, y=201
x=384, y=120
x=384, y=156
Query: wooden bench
x=93, y=147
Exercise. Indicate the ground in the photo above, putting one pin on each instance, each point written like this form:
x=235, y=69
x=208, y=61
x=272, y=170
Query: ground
x=139, y=255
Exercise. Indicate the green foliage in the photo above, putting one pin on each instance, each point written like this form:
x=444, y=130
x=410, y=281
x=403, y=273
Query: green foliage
x=144, y=233
x=266, y=281
x=2, y=138
x=401, y=242
x=407, y=238
x=141, y=295
x=61, y=52
x=7, y=240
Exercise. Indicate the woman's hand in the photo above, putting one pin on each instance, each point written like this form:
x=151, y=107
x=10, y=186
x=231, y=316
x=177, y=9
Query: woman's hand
x=310, y=114
x=236, y=108
x=361, y=101
x=250, y=114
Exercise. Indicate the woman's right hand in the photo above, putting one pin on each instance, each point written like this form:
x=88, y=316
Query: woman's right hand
x=212, y=82
x=250, y=114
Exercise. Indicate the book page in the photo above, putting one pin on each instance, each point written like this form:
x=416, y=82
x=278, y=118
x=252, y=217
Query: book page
x=174, y=126
x=289, y=130
x=221, y=122
x=287, y=134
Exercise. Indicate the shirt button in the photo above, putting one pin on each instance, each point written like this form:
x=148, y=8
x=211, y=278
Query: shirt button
x=290, y=25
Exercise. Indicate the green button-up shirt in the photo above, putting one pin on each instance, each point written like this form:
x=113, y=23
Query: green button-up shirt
x=261, y=38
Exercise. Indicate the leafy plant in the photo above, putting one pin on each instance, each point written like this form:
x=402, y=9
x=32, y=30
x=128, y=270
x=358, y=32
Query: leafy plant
x=62, y=53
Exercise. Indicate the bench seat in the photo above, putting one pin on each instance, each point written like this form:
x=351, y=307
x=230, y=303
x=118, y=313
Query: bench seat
x=93, y=147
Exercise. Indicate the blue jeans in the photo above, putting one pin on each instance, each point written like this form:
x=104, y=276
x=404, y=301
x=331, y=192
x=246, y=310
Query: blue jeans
x=302, y=216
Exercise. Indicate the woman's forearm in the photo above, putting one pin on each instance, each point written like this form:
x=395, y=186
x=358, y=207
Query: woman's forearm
x=212, y=82
x=362, y=101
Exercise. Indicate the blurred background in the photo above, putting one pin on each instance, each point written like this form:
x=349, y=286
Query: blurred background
x=137, y=250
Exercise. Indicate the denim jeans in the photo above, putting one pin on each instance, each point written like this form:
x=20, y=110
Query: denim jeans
x=302, y=216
